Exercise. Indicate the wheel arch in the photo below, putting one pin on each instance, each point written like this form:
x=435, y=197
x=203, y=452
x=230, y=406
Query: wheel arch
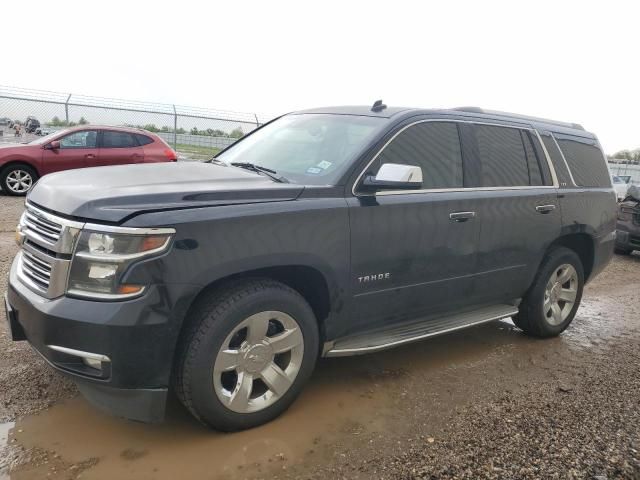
x=14, y=162
x=583, y=245
x=313, y=284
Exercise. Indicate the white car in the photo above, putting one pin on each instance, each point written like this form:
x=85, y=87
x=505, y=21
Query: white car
x=620, y=187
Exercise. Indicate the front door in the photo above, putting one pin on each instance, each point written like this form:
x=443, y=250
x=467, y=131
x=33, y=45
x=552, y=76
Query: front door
x=414, y=252
x=78, y=149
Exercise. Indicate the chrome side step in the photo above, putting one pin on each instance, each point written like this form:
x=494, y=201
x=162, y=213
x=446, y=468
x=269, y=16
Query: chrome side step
x=411, y=332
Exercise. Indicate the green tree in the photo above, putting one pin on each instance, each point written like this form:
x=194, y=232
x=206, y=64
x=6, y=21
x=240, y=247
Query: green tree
x=194, y=131
x=237, y=133
x=82, y=121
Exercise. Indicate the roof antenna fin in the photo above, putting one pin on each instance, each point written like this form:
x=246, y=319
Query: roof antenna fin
x=378, y=106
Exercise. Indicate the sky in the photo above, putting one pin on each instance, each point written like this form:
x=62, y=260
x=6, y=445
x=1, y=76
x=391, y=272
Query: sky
x=575, y=61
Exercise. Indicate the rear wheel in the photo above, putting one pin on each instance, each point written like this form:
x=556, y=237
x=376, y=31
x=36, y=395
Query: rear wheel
x=247, y=354
x=553, y=299
x=18, y=179
x=622, y=251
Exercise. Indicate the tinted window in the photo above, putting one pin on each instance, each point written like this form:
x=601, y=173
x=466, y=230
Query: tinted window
x=112, y=139
x=535, y=174
x=143, y=139
x=586, y=163
x=82, y=139
x=433, y=146
x=502, y=156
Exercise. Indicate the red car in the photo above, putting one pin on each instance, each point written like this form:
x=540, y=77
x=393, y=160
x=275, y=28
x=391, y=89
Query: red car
x=86, y=146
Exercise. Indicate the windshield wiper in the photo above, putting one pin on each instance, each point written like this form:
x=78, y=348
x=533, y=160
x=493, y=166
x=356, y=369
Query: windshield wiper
x=216, y=161
x=258, y=169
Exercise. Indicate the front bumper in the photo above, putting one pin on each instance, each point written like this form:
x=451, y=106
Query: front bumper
x=627, y=236
x=137, y=337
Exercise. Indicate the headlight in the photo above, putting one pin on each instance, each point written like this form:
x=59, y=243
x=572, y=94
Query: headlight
x=101, y=259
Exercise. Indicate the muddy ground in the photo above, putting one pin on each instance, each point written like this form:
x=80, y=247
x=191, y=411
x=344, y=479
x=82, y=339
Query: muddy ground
x=487, y=402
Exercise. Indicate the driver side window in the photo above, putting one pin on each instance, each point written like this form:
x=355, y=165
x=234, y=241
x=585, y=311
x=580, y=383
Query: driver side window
x=432, y=146
x=81, y=139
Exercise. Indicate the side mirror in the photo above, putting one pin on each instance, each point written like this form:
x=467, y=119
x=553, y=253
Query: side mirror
x=393, y=176
x=54, y=145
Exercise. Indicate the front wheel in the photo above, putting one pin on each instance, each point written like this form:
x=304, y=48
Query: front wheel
x=246, y=355
x=553, y=300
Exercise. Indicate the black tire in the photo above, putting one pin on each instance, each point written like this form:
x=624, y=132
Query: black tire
x=531, y=317
x=4, y=175
x=211, y=321
x=622, y=251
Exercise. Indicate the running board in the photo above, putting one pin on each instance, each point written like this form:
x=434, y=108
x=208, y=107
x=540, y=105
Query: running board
x=411, y=332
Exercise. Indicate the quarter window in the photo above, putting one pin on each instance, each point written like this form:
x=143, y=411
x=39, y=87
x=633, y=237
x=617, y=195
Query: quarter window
x=502, y=156
x=143, y=139
x=81, y=139
x=111, y=139
x=432, y=146
x=586, y=163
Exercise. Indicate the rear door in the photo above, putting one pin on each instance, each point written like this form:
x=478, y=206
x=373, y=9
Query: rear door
x=77, y=149
x=518, y=209
x=411, y=256
x=119, y=148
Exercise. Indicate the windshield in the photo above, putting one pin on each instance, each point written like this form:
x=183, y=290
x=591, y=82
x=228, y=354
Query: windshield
x=46, y=138
x=313, y=149
x=616, y=179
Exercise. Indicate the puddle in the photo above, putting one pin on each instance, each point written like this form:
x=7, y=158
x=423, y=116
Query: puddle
x=5, y=430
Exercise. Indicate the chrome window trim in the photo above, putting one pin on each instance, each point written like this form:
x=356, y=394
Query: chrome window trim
x=563, y=159
x=455, y=189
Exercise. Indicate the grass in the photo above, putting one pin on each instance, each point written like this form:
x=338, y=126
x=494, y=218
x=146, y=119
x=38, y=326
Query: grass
x=196, y=151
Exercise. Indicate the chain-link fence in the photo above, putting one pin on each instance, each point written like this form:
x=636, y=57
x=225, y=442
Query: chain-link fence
x=195, y=133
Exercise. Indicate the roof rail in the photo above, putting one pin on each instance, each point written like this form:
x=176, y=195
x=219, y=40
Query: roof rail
x=575, y=126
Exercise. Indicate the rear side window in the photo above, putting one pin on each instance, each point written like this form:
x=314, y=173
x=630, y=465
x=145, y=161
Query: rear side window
x=111, y=139
x=586, y=163
x=502, y=156
x=143, y=139
x=432, y=146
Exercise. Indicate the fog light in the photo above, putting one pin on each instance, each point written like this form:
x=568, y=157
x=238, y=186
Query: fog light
x=92, y=363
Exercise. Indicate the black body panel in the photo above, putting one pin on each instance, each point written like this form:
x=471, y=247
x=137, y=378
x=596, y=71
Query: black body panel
x=383, y=259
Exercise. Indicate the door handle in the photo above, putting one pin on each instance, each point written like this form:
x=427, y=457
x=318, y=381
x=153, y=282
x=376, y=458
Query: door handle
x=545, y=208
x=461, y=216
x=89, y=155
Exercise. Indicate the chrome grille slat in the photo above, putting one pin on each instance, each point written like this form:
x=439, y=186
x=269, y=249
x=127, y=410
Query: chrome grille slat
x=46, y=232
x=39, y=225
x=33, y=258
x=44, y=221
x=44, y=273
x=47, y=244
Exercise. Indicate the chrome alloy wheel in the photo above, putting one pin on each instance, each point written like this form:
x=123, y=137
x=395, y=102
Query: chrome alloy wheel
x=19, y=181
x=258, y=362
x=560, y=294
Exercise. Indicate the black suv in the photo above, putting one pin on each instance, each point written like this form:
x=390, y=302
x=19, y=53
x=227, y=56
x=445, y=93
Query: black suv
x=328, y=232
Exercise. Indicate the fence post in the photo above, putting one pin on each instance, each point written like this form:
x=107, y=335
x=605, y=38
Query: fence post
x=66, y=109
x=175, y=129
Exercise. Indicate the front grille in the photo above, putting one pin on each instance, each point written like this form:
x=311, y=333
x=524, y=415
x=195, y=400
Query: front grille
x=36, y=269
x=36, y=223
x=636, y=218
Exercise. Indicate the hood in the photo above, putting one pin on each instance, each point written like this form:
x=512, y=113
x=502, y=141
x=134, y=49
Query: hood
x=14, y=146
x=113, y=193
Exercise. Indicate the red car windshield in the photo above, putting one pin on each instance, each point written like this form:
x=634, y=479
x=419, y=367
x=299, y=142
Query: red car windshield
x=47, y=138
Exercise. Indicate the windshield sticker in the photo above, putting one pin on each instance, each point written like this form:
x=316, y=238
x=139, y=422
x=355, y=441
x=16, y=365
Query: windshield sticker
x=314, y=170
x=324, y=164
